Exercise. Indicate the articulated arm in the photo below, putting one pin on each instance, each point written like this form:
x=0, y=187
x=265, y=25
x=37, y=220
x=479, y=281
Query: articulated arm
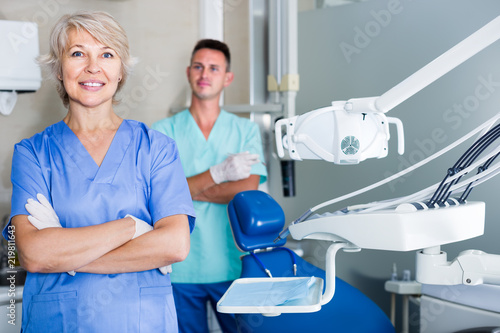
x=351, y=131
x=471, y=267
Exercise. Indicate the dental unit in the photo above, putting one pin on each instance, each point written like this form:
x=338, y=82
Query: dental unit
x=349, y=132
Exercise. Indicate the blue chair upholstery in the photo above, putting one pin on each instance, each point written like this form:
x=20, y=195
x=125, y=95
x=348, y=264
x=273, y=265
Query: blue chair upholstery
x=256, y=220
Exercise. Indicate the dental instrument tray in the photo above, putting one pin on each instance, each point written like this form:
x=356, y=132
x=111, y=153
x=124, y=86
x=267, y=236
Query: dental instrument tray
x=272, y=296
x=402, y=229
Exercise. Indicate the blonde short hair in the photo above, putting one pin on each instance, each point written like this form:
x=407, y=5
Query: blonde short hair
x=100, y=25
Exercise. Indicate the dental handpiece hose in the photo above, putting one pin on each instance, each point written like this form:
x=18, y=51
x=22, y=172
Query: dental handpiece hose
x=286, y=232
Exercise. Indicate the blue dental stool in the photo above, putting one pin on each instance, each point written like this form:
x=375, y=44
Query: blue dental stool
x=256, y=220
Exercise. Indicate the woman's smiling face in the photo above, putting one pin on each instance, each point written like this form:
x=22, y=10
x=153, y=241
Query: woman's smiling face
x=90, y=70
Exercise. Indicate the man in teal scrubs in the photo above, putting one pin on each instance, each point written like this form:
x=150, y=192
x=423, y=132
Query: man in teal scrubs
x=221, y=154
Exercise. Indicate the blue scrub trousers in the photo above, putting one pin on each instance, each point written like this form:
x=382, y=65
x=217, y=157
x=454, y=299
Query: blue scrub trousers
x=191, y=305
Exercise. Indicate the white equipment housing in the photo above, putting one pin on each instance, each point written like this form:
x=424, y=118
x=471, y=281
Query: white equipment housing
x=19, y=49
x=335, y=135
x=397, y=230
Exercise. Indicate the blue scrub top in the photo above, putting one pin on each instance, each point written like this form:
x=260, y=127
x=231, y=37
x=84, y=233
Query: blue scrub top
x=140, y=175
x=213, y=256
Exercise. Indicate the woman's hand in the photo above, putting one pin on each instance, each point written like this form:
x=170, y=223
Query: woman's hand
x=141, y=228
x=43, y=215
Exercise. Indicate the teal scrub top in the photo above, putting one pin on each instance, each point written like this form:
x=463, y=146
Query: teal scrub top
x=213, y=256
x=140, y=175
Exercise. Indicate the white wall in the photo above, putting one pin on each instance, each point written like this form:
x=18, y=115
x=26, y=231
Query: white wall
x=412, y=35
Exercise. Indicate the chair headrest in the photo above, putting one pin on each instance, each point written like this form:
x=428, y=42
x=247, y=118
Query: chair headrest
x=256, y=220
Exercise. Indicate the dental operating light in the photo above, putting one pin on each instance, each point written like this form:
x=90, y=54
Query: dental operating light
x=351, y=131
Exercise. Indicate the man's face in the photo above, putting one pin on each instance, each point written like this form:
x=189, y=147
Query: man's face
x=207, y=74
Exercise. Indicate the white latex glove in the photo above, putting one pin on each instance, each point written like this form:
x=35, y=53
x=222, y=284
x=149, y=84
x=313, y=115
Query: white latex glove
x=165, y=269
x=42, y=215
x=233, y=168
x=141, y=228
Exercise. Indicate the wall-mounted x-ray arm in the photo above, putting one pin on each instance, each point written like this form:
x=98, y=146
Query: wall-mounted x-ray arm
x=351, y=131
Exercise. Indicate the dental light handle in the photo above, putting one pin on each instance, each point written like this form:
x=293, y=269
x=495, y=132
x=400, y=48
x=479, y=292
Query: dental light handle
x=278, y=135
x=455, y=56
x=400, y=131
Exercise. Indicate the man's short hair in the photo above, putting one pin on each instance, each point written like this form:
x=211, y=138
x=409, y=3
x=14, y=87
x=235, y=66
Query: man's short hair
x=214, y=44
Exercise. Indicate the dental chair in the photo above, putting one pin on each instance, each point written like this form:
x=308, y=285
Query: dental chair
x=256, y=220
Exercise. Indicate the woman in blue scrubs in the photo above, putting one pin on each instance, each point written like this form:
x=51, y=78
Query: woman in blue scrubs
x=118, y=206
